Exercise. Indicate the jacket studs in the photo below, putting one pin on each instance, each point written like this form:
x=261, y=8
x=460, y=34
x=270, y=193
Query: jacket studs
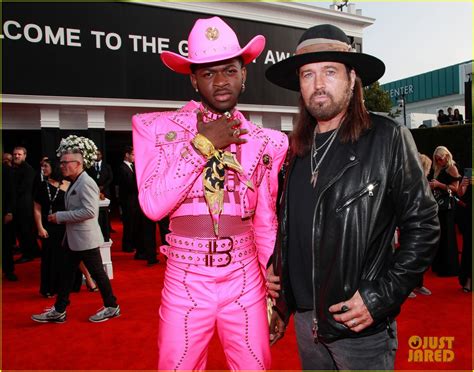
x=170, y=136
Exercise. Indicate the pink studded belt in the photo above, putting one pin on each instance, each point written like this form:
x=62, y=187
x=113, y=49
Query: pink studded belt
x=209, y=252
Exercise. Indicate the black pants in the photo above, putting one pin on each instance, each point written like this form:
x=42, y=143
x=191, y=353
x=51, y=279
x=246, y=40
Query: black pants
x=464, y=221
x=52, y=255
x=8, y=239
x=93, y=262
x=146, y=245
x=26, y=237
x=131, y=224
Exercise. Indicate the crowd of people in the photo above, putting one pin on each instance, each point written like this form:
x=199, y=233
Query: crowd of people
x=30, y=193
x=451, y=117
x=211, y=177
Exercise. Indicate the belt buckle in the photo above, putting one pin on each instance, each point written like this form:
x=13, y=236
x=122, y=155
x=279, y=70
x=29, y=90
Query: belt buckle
x=208, y=260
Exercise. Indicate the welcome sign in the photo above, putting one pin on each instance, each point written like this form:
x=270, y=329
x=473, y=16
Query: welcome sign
x=111, y=50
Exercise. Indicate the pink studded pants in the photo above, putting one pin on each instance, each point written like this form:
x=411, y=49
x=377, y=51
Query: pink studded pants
x=197, y=299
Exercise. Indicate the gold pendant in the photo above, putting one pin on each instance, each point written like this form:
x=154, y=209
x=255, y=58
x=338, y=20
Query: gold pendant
x=314, y=178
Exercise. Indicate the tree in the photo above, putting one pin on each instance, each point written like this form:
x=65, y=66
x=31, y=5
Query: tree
x=377, y=99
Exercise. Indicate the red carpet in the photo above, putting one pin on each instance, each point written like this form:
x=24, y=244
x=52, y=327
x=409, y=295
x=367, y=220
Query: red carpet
x=129, y=342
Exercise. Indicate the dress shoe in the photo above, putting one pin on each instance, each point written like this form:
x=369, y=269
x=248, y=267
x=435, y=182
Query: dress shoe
x=23, y=259
x=92, y=288
x=139, y=256
x=422, y=290
x=11, y=277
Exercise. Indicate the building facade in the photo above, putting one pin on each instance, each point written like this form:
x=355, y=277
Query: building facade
x=423, y=95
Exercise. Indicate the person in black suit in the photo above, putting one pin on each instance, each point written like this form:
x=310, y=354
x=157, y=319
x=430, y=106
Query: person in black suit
x=102, y=174
x=23, y=181
x=8, y=202
x=128, y=199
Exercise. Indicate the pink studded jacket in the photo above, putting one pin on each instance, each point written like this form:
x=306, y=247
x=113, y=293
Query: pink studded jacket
x=169, y=171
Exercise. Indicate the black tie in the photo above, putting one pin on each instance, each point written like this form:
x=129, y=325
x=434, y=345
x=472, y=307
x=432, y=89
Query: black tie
x=133, y=167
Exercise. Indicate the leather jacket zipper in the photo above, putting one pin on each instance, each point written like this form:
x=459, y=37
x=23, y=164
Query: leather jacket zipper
x=315, y=326
x=369, y=189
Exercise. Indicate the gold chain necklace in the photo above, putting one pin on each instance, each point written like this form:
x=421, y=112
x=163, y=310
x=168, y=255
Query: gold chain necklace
x=212, y=116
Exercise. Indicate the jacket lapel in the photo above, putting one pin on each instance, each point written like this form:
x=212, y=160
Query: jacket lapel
x=337, y=165
x=258, y=143
x=72, y=188
x=186, y=118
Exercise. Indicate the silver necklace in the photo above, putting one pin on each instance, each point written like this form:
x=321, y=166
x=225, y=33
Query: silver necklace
x=314, y=152
x=51, y=201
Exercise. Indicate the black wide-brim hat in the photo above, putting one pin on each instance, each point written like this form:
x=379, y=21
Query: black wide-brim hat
x=324, y=43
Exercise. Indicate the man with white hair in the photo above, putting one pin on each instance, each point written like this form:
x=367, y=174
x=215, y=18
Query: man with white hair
x=83, y=235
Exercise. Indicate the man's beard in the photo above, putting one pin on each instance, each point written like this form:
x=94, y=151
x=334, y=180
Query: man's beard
x=324, y=111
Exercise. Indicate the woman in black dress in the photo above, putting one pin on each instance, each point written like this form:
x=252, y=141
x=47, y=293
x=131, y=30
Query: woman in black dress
x=49, y=199
x=445, y=180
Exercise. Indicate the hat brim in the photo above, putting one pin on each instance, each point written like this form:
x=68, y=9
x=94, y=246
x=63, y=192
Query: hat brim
x=182, y=64
x=285, y=73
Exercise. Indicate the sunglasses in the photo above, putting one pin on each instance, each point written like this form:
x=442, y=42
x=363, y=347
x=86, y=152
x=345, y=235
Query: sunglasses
x=66, y=162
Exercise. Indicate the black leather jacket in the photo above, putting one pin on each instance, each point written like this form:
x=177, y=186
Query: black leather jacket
x=365, y=190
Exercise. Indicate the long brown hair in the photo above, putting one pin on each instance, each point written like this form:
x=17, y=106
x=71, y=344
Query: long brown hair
x=355, y=121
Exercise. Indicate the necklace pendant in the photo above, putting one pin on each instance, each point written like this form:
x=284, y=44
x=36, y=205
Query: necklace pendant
x=314, y=178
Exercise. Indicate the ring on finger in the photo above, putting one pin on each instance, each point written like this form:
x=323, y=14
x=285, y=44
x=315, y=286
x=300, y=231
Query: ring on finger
x=236, y=133
x=353, y=323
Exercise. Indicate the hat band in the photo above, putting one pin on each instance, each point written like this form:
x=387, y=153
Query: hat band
x=214, y=51
x=322, y=45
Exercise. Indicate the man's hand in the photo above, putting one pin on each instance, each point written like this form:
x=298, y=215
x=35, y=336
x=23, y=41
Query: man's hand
x=221, y=132
x=52, y=218
x=277, y=328
x=272, y=283
x=353, y=313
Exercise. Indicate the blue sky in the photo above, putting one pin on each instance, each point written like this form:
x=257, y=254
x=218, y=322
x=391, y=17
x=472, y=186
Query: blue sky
x=416, y=37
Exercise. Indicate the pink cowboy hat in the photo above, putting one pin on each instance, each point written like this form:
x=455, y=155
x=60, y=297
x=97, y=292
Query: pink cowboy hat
x=212, y=40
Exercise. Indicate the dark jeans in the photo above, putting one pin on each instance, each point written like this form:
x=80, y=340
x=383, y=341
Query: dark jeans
x=93, y=262
x=375, y=352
